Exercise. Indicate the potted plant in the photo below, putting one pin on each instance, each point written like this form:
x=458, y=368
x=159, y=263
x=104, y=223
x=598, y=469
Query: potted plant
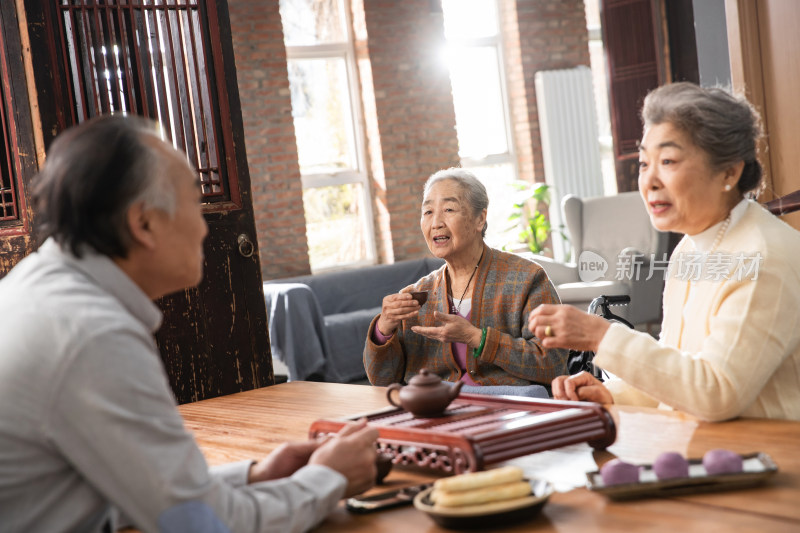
x=529, y=214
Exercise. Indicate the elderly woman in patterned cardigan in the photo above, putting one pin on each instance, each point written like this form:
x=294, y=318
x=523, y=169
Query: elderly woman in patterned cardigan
x=473, y=326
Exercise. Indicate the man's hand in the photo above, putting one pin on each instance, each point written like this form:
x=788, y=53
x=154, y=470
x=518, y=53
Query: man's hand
x=352, y=453
x=284, y=461
x=581, y=387
x=451, y=328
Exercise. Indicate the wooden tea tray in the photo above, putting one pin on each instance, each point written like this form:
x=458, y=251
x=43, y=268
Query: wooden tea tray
x=478, y=430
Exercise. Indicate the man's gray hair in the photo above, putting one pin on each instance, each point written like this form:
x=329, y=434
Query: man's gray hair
x=93, y=174
x=473, y=190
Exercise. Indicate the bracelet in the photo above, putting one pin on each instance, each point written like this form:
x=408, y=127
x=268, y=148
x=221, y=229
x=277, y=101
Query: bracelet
x=477, y=351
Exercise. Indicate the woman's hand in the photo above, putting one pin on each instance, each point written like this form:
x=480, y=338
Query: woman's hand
x=581, y=387
x=396, y=308
x=563, y=326
x=451, y=328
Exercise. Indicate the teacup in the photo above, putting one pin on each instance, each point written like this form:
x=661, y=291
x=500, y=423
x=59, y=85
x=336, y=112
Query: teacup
x=420, y=296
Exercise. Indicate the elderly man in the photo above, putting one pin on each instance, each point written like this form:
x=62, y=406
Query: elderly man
x=88, y=425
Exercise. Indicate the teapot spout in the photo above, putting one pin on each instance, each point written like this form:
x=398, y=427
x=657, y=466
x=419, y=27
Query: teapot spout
x=455, y=390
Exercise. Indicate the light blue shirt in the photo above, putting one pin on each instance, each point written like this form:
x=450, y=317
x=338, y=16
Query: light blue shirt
x=88, y=424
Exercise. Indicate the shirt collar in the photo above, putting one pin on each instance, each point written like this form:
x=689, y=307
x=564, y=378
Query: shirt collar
x=109, y=277
x=705, y=239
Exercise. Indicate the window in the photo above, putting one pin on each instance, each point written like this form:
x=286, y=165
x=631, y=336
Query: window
x=325, y=109
x=475, y=59
x=153, y=58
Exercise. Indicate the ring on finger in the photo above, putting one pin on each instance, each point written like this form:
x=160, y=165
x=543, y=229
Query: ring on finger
x=548, y=331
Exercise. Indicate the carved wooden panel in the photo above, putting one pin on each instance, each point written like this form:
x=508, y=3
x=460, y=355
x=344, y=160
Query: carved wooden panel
x=17, y=149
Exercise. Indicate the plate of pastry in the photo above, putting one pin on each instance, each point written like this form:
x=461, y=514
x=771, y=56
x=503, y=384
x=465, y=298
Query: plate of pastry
x=484, y=499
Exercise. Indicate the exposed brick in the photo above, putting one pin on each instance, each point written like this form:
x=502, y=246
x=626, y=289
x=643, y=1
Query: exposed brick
x=269, y=136
x=413, y=105
x=543, y=35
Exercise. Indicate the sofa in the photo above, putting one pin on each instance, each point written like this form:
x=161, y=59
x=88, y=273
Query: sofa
x=318, y=324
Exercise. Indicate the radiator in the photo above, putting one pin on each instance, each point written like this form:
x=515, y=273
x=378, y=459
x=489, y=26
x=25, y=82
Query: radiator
x=570, y=145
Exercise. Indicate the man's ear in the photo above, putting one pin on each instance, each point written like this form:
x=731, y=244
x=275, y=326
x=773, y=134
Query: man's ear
x=139, y=221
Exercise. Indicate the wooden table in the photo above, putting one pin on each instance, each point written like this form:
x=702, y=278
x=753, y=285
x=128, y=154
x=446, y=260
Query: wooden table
x=250, y=424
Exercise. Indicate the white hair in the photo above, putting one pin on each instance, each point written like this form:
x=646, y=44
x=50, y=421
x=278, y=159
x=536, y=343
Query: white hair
x=474, y=192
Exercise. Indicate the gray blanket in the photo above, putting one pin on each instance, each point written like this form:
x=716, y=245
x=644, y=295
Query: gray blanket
x=296, y=330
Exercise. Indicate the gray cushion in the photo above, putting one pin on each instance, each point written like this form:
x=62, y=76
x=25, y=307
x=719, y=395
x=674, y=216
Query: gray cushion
x=346, y=334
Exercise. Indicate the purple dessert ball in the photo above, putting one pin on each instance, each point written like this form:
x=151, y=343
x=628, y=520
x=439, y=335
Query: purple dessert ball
x=722, y=462
x=617, y=472
x=670, y=465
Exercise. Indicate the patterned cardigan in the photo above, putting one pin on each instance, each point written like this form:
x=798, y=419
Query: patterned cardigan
x=507, y=288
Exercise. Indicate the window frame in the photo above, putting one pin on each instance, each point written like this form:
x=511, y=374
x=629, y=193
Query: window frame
x=496, y=42
x=358, y=175
x=509, y=157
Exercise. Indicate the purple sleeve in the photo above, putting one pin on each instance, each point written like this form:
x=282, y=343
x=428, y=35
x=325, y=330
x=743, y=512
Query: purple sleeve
x=379, y=338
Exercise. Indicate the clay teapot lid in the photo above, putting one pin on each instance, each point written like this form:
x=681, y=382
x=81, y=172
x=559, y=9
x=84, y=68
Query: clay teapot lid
x=425, y=378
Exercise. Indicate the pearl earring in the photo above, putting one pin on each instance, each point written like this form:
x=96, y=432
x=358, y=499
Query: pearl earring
x=728, y=187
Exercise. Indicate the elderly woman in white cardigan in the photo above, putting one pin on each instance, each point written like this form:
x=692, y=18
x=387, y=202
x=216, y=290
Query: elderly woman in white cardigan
x=730, y=337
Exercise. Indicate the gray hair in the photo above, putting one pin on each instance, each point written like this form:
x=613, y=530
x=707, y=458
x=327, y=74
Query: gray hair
x=473, y=190
x=725, y=126
x=93, y=174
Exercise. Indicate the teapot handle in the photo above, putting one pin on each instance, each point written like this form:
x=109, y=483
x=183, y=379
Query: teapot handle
x=393, y=387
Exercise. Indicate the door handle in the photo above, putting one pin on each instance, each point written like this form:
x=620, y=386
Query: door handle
x=246, y=247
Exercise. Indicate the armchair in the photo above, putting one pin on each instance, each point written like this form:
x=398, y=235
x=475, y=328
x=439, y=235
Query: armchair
x=614, y=247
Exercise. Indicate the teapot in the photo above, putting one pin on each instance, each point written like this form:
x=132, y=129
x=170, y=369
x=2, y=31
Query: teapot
x=425, y=395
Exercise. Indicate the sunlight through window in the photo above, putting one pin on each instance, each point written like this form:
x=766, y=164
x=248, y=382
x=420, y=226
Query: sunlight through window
x=475, y=58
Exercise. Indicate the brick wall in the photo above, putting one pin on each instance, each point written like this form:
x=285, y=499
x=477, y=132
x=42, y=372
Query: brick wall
x=413, y=111
x=515, y=87
x=549, y=34
x=269, y=137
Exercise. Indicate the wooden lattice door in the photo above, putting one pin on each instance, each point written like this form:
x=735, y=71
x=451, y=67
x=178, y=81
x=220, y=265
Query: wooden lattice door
x=171, y=60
